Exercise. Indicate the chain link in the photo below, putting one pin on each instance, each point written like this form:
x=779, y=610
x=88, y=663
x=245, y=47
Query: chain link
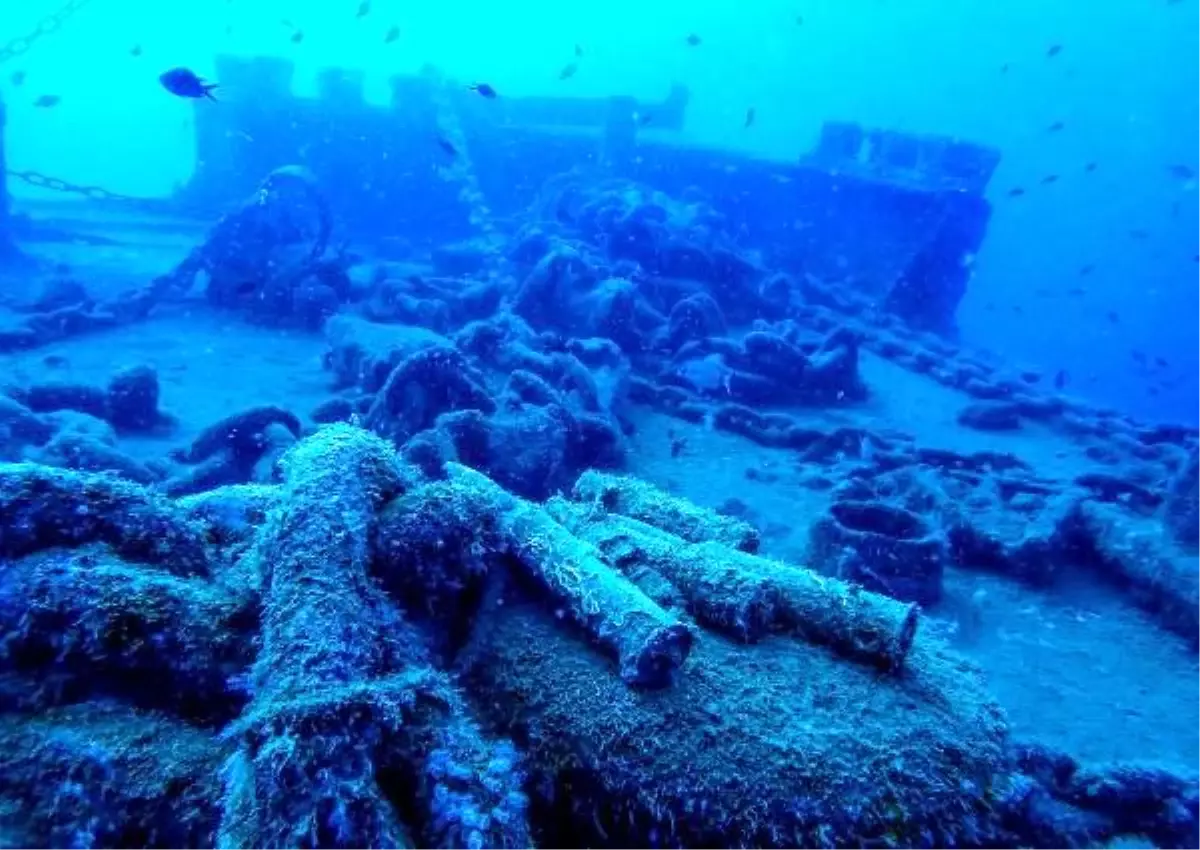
x=19, y=46
x=52, y=23
x=94, y=193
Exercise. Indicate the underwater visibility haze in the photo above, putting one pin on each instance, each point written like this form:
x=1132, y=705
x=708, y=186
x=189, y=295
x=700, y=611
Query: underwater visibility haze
x=599, y=425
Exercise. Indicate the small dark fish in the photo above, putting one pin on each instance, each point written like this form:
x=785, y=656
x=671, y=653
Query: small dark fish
x=1161, y=363
x=1090, y=167
x=578, y=51
x=1182, y=172
x=1077, y=292
x=364, y=9
x=135, y=51
x=55, y=361
x=643, y=118
x=1056, y=127
x=1049, y=179
x=1113, y=316
x=1086, y=270
x=1139, y=357
x=17, y=77
x=1018, y=309
x=799, y=20
x=46, y=101
x=446, y=146
x=392, y=34
x=245, y=288
x=484, y=90
x=1139, y=234
x=184, y=82
x=568, y=71
x=750, y=115
x=1053, y=51
x=1016, y=192
x=693, y=40
x=1060, y=379
x=1004, y=68
x=297, y=33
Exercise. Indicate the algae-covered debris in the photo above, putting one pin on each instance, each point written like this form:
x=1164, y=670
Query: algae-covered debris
x=363, y=655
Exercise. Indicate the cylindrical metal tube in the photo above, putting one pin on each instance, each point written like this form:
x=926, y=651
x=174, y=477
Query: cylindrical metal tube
x=746, y=595
x=650, y=643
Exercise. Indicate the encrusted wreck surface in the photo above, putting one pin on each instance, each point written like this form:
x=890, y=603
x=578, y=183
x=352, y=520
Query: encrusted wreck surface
x=441, y=663
x=364, y=662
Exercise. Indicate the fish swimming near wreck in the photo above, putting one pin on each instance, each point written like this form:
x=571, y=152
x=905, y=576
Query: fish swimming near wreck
x=184, y=82
x=483, y=90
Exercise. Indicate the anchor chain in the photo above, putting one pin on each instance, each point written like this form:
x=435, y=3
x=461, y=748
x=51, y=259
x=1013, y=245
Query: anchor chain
x=461, y=171
x=94, y=193
x=52, y=23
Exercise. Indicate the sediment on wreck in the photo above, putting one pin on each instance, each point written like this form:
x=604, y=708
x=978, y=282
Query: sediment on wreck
x=1182, y=507
x=97, y=774
x=719, y=755
x=779, y=743
x=423, y=680
x=80, y=624
x=44, y=507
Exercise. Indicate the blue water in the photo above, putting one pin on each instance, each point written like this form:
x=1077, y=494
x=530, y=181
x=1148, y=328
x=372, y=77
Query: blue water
x=495, y=425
